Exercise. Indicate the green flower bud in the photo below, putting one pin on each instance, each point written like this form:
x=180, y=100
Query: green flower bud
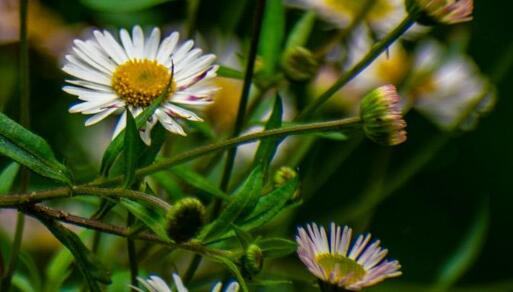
x=381, y=115
x=253, y=260
x=185, y=219
x=431, y=12
x=283, y=175
x=299, y=64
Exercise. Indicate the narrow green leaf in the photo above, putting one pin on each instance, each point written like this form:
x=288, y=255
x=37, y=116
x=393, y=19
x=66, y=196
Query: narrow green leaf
x=273, y=32
x=168, y=182
x=299, y=35
x=33, y=272
x=234, y=270
x=269, y=206
x=151, y=217
x=335, y=136
x=130, y=154
x=30, y=150
x=466, y=254
x=228, y=72
x=22, y=283
x=246, y=193
x=268, y=146
x=244, y=237
x=121, y=6
x=7, y=177
x=198, y=181
x=92, y=271
x=276, y=247
x=230, y=18
x=116, y=146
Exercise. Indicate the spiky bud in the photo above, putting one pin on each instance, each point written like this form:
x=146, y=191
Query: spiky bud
x=430, y=12
x=253, y=259
x=299, y=64
x=184, y=219
x=380, y=111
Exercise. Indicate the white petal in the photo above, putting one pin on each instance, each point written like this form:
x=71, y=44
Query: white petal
x=184, y=49
x=145, y=133
x=174, y=110
x=179, y=284
x=90, y=95
x=169, y=123
x=88, y=75
x=91, y=62
x=138, y=42
x=127, y=43
x=232, y=287
x=189, y=60
x=90, y=85
x=110, y=46
x=152, y=44
x=91, y=48
x=120, y=125
x=99, y=116
x=166, y=49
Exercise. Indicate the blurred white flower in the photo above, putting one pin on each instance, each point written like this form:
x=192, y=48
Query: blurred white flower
x=448, y=88
x=156, y=284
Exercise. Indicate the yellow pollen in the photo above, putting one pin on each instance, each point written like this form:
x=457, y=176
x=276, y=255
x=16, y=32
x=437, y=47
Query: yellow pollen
x=139, y=82
x=342, y=267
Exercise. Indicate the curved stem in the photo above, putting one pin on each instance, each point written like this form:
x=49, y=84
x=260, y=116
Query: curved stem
x=36, y=197
x=377, y=50
x=197, y=152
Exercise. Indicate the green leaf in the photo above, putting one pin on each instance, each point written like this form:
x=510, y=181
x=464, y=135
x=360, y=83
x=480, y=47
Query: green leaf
x=30, y=150
x=228, y=72
x=130, y=154
x=22, y=283
x=272, y=35
x=92, y=271
x=299, y=35
x=276, y=247
x=246, y=193
x=198, y=181
x=268, y=146
x=230, y=18
x=269, y=206
x=234, y=270
x=116, y=146
x=335, y=136
x=464, y=257
x=151, y=217
x=121, y=5
x=33, y=272
x=7, y=177
x=168, y=182
x=244, y=237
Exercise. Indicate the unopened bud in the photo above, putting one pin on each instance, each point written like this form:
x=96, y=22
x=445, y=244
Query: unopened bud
x=253, y=260
x=185, y=219
x=283, y=175
x=381, y=115
x=430, y=12
x=299, y=64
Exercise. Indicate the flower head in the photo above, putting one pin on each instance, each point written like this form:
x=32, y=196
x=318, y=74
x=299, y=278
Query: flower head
x=380, y=111
x=184, y=219
x=156, y=284
x=441, y=11
x=335, y=262
x=111, y=75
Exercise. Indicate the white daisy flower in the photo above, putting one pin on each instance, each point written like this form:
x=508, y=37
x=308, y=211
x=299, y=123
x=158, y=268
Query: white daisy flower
x=448, y=88
x=156, y=284
x=335, y=262
x=111, y=76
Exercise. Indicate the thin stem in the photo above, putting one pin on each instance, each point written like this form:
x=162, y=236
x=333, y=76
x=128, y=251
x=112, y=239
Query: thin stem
x=117, y=230
x=246, y=88
x=193, y=266
x=24, y=83
x=36, y=197
x=377, y=50
x=132, y=254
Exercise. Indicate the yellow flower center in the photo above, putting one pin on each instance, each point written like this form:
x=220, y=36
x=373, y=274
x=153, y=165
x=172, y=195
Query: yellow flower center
x=380, y=9
x=342, y=268
x=139, y=82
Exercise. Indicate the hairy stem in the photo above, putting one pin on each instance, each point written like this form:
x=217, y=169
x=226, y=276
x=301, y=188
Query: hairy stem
x=377, y=50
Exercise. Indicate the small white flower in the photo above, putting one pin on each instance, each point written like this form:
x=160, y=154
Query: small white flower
x=156, y=284
x=334, y=261
x=111, y=75
x=448, y=88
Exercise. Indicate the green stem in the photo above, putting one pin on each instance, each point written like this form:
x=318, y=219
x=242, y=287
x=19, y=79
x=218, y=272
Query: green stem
x=246, y=88
x=132, y=254
x=36, y=197
x=192, y=13
x=24, y=83
x=377, y=50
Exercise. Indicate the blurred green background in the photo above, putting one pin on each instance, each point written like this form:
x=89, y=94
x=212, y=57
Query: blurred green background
x=459, y=203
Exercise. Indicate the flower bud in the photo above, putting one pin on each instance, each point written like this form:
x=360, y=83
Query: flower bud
x=430, y=12
x=253, y=260
x=283, y=175
x=299, y=64
x=185, y=219
x=381, y=115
